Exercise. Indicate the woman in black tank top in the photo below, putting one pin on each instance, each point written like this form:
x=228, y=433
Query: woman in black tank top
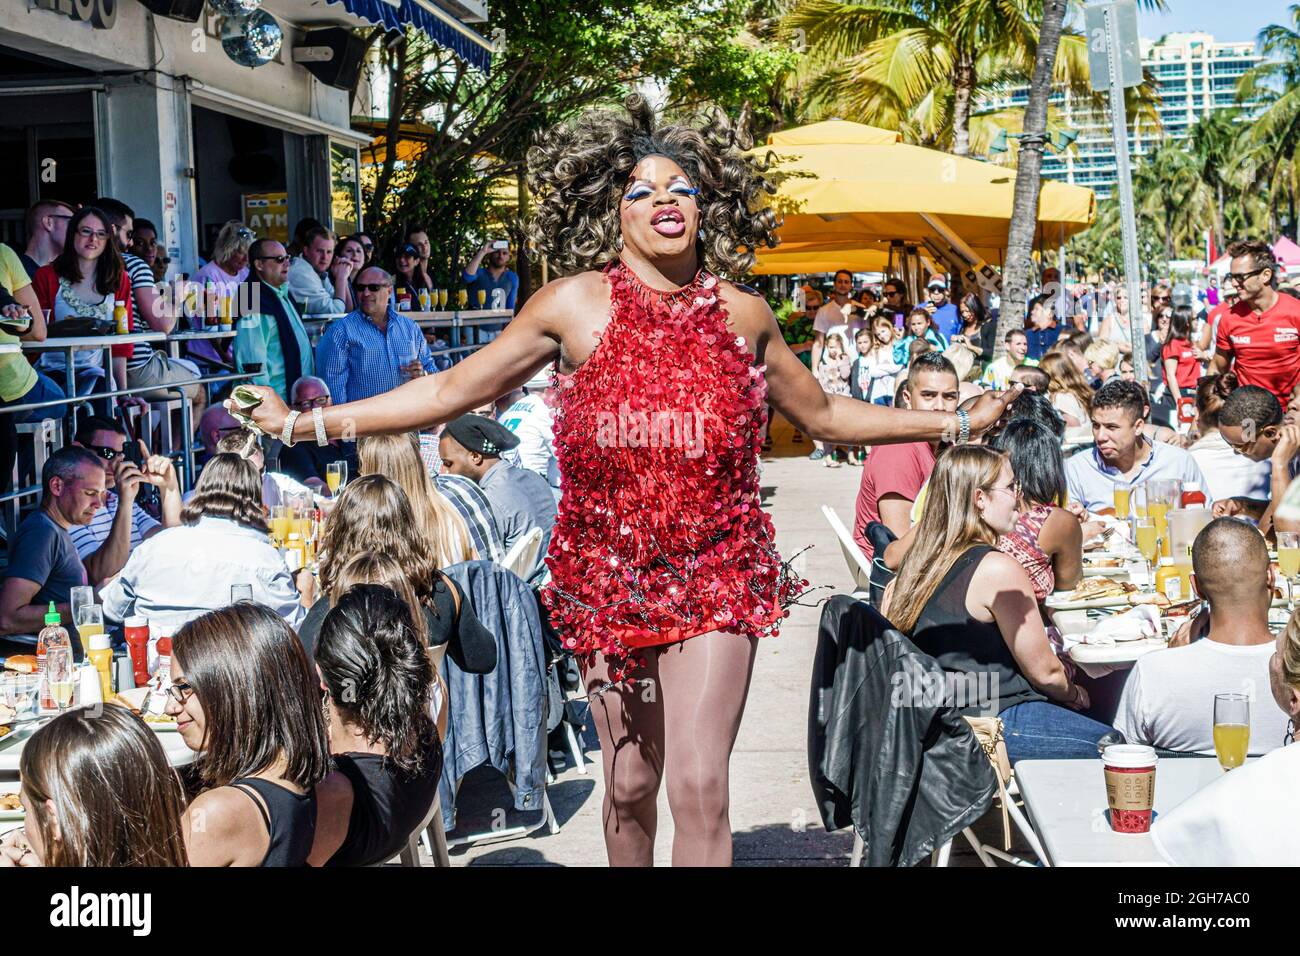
x=378, y=676
x=245, y=698
x=973, y=609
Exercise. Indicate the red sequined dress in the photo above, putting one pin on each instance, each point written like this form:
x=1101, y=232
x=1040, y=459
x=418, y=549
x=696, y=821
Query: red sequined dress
x=660, y=535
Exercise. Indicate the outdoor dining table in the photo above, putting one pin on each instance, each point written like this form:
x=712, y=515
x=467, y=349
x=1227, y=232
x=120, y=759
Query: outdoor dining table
x=1066, y=803
x=11, y=749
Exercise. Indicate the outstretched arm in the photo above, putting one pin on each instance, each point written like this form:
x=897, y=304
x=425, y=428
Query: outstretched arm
x=795, y=392
x=529, y=342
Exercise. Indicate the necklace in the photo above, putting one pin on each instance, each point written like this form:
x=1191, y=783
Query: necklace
x=649, y=296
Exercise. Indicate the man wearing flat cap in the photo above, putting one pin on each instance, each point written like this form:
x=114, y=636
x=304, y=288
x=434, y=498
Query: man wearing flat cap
x=471, y=446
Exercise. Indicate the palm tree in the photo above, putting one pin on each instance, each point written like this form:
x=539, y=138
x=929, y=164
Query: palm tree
x=1212, y=141
x=921, y=65
x=1266, y=161
x=1170, y=192
x=1024, y=210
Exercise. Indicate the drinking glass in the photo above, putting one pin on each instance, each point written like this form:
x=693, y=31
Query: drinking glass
x=80, y=596
x=336, y=476
x=1121, y=493
x=462, y=298
x=1140, y=501
x=90, y=622
x=1144, y=536
x=1288, y=561
x=1231, y=729
x=241, y=592
x=280, y=525
x=481, y=296
x=442, y=298
x=61, y=676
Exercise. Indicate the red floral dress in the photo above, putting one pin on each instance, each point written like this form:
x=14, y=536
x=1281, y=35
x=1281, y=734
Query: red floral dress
x=660, y=535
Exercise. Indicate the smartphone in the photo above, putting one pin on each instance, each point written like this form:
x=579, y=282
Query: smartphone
x=132, y=448
x=500, y=245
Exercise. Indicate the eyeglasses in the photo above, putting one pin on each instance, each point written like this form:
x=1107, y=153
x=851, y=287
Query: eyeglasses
x=280, y=259
x=1014, y=488
x=86, y=233
x=1160, y=298
x=105, y=452
x=370, y=286
x=320, y=401
x=890, y=293
x=1239, y=277
x=180, y=691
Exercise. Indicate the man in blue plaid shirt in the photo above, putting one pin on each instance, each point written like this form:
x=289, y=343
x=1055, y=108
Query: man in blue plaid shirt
x=374, y=348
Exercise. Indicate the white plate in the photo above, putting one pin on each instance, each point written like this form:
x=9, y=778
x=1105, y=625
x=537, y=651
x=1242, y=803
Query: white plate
x=11, y=786
x=1060, y=601
x=1116, y=653
x=1090, y=571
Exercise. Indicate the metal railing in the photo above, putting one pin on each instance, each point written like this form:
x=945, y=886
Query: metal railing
x=454, y=321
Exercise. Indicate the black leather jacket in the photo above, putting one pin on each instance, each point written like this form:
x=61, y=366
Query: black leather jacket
x=884, y=754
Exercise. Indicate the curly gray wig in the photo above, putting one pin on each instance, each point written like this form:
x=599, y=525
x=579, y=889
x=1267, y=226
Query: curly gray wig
x=579, y=169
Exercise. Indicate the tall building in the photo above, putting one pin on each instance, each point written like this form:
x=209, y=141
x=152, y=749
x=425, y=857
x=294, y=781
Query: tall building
x=1195, y=75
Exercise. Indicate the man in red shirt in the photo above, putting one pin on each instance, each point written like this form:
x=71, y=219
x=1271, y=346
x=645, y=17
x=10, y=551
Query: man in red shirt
x=1259, y=337
x=894, y=474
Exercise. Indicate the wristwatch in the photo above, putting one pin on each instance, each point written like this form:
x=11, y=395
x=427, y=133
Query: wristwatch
x=963, y=427
x=286, y=433
x=318, y=420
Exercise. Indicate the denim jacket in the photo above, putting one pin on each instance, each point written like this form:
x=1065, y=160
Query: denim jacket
x=500, y=715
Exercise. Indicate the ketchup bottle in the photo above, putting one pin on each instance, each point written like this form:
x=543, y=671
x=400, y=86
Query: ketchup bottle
x=1193, y=497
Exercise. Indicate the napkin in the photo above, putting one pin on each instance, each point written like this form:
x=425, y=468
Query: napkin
x=1136, y=624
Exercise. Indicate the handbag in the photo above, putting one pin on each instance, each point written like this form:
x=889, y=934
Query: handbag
x=988, y=731
x=79, y=327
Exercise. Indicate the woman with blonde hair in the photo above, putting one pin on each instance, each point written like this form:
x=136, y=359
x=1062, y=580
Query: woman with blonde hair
x=1069, y=391
x=1102, y=357
x=228, y=265
x=398, y=457
x=373, y=519
x=972, y=608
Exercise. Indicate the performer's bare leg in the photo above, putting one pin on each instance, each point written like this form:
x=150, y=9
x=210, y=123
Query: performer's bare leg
x=630, y=724
x=704, y=682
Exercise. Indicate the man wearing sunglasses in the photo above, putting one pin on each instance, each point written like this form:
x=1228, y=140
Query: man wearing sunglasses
x=47, y=231
x=306, y=461
x=271, y=340
x=373, y=349
x=106, y=541
x=1259, y=337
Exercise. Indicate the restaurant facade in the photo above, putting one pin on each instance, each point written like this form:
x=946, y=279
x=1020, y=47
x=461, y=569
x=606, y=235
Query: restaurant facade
x=110, y=97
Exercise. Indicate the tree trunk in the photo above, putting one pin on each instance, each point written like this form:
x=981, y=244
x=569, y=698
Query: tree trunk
x=523, y=262
x=1024, y=209
x=963, y=89
x=392, y=132
x=1219, y=227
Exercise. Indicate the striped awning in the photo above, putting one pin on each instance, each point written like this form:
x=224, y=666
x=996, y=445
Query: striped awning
x=438, y=25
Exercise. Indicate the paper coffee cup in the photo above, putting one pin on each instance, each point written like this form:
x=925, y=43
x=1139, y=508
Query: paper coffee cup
x=1130, y=786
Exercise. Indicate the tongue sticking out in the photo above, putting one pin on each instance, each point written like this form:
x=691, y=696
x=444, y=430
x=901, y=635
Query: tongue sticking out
x=669, y=227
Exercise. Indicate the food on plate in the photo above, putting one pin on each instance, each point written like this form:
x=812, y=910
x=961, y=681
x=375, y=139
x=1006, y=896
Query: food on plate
x=123, y=702
x=5, y=731
x=159, y=719
x=9, y=801
x=1151, y=597
x=1093, y=589
x=1105, y=562
x=7, y=713
x=21, y=663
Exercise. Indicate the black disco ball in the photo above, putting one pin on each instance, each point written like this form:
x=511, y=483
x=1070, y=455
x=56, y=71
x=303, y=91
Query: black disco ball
x=252, y=40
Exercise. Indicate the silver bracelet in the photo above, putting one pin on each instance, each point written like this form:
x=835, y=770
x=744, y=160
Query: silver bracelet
x=286, y=433
x=318, y=420
x=963, y=427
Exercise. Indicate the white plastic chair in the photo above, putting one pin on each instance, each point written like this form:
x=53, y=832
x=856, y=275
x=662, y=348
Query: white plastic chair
x=522, y=556
x=859, y=566
x=984, y=851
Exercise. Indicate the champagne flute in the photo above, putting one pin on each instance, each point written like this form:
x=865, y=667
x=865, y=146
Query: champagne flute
x=462, y=298
x=279, y=525
x=442, y=298
x=1288, y=561
x=1231, y=729
x=1121, y=492
x=481, y=296
x=78, y=598
x=336, y=476
x=1144, y=536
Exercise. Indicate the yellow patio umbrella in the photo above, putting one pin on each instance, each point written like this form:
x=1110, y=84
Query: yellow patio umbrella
x=859, y=185
x=812, y=257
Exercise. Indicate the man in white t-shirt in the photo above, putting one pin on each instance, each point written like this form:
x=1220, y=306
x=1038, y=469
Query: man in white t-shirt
x=530, y=419
x=837, y=315
x=1168, y=701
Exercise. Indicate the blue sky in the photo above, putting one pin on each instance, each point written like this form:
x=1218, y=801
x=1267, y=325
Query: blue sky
x=1226, y=19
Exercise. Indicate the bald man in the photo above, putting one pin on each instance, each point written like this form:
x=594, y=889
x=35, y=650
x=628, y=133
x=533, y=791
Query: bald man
x=1168, y=701
x=374, y=348
x=306, y=461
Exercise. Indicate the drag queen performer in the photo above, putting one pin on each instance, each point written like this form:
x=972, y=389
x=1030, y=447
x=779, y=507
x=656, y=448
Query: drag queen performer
x=664, y=570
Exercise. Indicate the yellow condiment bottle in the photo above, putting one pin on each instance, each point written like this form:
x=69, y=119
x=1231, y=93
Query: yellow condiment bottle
x=1169, y=574
x=100, y=653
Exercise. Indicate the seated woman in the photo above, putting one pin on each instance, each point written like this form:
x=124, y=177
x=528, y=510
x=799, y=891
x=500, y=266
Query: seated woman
x=373, y=516
x=97, y=791
x=1047, y=540
x=1069, y=391
x=222, y=540
x=247, y=702
x=1246, y=817
x=972, y=608
x=375, y=671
